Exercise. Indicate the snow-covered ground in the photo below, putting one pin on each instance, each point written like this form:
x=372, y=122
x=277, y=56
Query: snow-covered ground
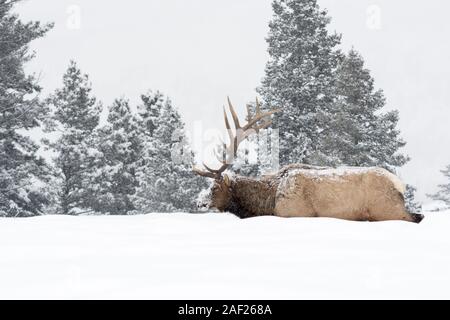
x=211, y=256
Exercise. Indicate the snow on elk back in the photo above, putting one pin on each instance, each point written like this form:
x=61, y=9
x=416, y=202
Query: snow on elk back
x=299, y=190
x=337, y=173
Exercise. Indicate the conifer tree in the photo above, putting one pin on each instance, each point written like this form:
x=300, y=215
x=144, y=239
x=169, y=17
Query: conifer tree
x=22, y=173
x=299, y=77
x=331, y=113
x=444, y=189
x=74, y=116
x=412, y=205
x=360, y=133
x=112, y=176
x=166, y=180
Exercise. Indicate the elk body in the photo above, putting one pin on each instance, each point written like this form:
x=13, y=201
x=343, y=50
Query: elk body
x=298, y=190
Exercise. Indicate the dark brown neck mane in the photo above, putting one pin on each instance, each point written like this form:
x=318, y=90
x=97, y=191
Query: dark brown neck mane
x=252, y=197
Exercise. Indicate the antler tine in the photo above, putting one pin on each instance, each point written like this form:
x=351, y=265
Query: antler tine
x=217, y=172
x=227, y=125
x=258, y=107
x=209, y=169
x=257, y=112
x=249, y=113
x=265, y=125
x=203, y=173
x=234, y=115
x=256, y=129
x=258, y=118
x=235, y=139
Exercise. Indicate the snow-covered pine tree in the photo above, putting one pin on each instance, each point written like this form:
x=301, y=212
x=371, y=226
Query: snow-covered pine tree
x=443, y=193
x=147, y=169
x=412, y=206
x=22, y=172
x=166, y=180
x=112, y=176
x=74, y=116
x=299, y=77
x=359, y=134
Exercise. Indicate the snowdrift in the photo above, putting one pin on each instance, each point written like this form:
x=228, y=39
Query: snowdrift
x=217, y=256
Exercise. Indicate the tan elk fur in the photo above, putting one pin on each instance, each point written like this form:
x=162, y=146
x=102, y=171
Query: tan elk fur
x=358, y=194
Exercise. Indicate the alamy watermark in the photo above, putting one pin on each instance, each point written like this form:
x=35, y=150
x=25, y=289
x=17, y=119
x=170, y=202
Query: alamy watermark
x=374, y=17
x=73, y=21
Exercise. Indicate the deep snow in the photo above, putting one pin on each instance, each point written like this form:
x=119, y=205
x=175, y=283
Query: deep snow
x=211, y=256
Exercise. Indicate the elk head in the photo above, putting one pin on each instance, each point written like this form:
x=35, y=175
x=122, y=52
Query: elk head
x=221, y=191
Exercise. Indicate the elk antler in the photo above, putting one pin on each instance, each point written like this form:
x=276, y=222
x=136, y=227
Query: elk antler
x=240, y=134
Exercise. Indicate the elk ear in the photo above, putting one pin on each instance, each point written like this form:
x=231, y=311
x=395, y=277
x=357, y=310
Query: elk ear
x=227, y=181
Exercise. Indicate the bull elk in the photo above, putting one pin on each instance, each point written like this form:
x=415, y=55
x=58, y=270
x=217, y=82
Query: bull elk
x=299, y=190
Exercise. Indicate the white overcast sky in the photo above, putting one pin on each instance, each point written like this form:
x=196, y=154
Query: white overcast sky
x=200, y=51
